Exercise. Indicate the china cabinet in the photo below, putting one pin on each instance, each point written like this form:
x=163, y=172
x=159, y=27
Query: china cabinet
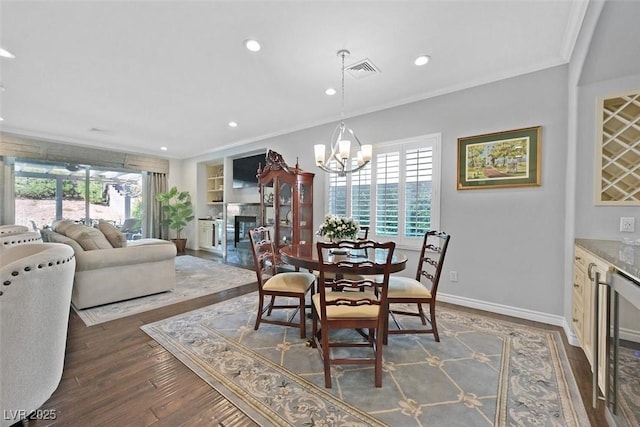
x=286, y=201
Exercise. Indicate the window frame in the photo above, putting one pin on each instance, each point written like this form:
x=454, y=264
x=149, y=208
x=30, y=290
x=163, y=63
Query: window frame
x=434, y=141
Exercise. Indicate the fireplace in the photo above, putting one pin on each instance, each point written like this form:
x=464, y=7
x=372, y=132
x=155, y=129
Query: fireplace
x=241, y=226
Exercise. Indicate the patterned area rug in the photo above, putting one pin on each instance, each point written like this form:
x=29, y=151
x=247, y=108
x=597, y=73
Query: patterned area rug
x=195, y=277
x=483, y=372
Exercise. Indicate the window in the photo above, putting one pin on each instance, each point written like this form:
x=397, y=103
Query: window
x=396, y=194
x=46, y=192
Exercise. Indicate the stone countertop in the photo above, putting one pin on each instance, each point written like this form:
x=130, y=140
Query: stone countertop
x=625, y=258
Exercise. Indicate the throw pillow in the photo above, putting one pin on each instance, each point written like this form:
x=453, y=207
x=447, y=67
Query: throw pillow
x=113, y=235
x=89, y=238
x=61, y=226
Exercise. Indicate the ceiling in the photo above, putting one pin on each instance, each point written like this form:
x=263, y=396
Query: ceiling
x=138, y=75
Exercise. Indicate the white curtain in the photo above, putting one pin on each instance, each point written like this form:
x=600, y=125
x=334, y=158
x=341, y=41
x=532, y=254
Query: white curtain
x=154, y=183
x=7, y=191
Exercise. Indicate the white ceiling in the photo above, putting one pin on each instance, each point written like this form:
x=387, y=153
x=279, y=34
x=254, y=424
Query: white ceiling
x=174, y=73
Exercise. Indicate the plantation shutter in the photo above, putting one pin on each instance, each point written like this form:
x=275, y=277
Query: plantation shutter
x=387, y=193
x=337, y=194
x=361, y=195
x=418, y=191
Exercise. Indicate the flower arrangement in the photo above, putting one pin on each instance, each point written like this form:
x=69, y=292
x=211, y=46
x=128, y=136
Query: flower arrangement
x=338, y=228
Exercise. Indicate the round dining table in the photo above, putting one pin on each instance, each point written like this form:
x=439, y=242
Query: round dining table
x=305, y=256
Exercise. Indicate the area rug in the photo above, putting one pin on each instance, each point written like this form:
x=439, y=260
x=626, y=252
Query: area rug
x=195, y=277
x=484, y=372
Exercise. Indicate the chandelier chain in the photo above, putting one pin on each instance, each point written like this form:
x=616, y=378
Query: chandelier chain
x=342, y=96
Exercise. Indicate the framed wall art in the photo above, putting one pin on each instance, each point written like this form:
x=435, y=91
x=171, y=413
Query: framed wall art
x=500, y=160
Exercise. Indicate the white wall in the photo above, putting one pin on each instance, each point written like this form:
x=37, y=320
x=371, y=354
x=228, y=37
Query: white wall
x=598, y=222
x=506, y=243
x=509, y=246
x=612, y=67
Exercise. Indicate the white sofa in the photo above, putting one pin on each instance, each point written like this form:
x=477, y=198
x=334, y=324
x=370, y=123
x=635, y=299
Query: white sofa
x=35, y=296
x=106, y=274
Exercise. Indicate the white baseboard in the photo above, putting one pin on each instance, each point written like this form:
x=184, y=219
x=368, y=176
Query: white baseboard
x=536, y=316
x=630, y=335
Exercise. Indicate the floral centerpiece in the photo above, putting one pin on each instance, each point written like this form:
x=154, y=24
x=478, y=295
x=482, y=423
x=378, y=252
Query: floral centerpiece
x=337, y=228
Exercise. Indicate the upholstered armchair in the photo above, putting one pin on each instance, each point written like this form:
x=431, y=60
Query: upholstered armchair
x=12, y=229
x=35, y=296
x=9, y=240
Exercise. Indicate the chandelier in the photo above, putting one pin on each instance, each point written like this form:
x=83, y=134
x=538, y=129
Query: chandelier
x=339, y=160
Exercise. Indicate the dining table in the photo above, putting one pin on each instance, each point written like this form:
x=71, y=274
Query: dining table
x=305, y=256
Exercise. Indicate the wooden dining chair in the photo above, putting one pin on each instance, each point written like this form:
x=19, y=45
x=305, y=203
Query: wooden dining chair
x=363, y=234
x=360, y=305
x=272, y=284
x=420, y=290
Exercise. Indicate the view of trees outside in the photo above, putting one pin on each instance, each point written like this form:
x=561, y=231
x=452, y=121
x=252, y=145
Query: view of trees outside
x=36, y=199
x=352, y=196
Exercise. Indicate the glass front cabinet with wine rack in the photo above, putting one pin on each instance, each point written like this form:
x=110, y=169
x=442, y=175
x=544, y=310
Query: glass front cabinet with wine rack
x=286, y=201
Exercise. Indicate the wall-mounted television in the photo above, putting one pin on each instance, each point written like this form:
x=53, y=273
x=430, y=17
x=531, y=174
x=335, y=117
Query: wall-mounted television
x=245, y=170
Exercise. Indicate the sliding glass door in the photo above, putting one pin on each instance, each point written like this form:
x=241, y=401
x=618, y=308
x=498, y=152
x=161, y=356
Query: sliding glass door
x=47, y=192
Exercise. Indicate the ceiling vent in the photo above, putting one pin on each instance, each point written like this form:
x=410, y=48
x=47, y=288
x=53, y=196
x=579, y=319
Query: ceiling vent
x=362, y=69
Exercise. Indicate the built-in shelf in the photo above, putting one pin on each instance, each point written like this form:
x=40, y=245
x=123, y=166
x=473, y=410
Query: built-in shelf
x=215, y=184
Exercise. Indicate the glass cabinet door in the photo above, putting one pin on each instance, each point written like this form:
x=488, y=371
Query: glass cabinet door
x=285, y=214
x=305, y=212
x=267, y=211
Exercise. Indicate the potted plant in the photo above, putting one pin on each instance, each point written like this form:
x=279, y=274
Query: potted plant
x=178, y=211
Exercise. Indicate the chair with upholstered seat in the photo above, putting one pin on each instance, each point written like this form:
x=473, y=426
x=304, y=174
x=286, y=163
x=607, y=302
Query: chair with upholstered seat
x=12, y=229
x=272, y=284
x=360, y=305
x=35, y=297
x=9, y=240
x=410, y=291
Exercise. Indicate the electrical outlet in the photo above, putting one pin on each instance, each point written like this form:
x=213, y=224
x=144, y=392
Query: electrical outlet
x=453, y=276
x=627, y=224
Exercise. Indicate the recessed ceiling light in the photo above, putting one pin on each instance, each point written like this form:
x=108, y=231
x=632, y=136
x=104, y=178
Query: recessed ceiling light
x=331, y=91
x=1, y=119
x=252, y=45
x=422, y=60
x=6, y=54
x=233, y=124
x=164, y=148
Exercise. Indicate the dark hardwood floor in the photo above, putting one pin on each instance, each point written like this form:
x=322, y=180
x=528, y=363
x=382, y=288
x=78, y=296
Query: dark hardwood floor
x=116, y=375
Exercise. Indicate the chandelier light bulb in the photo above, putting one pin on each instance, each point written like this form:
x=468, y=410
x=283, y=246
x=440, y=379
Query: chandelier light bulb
x=319, y=150
x=345, y=148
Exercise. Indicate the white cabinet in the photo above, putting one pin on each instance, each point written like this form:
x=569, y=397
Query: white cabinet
x=206, y=234
x=585, y=314
x=581, y=301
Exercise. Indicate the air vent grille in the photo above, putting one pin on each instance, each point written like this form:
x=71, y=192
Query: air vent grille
x=362, y=69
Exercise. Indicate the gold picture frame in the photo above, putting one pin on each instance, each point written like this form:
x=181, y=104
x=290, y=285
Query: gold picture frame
x=500, y=160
